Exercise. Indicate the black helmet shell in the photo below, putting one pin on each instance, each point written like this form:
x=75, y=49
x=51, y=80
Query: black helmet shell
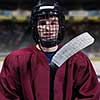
x=43, y=9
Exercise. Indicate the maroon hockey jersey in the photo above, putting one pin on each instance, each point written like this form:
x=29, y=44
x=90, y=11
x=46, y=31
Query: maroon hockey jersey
x=26, y=76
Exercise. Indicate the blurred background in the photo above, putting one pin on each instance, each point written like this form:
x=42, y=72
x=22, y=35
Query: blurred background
x=81, y=16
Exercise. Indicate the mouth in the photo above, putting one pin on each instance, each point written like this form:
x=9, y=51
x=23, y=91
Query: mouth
x=48, y=33
x=48, y=37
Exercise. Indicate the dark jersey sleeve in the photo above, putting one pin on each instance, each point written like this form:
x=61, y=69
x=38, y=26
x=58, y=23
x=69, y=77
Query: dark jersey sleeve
x=9, y=81
x=87, y=86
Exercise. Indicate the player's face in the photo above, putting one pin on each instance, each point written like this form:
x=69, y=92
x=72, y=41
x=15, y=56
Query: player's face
x=48, y=28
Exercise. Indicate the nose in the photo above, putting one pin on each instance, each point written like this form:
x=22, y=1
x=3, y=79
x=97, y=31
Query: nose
x=47, y=27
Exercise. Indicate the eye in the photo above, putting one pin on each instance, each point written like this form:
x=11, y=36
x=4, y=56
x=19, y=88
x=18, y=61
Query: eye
x=54, y=22
x=42, y=23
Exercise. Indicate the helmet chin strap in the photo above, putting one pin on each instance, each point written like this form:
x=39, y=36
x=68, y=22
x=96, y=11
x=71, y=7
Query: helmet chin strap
x=49, y=43
x=47, y=49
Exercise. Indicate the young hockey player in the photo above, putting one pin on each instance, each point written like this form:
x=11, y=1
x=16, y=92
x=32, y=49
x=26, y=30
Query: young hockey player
x=27, y=74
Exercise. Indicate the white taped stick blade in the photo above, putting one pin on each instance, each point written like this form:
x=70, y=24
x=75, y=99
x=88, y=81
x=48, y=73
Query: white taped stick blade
x=76, y=44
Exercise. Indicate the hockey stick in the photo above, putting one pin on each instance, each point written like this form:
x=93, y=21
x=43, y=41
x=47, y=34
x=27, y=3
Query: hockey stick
x=76, y=44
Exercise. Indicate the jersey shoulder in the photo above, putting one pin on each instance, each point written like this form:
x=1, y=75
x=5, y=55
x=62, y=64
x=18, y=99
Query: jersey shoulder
x=80, y=58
